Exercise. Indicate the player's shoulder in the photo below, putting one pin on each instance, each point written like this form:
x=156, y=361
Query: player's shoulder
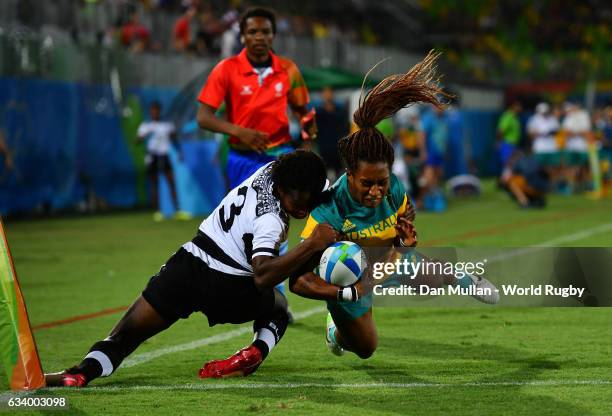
x=265, y=200
x=329, y=207
x=287, y=64
x=397, y=191
x=333, y=203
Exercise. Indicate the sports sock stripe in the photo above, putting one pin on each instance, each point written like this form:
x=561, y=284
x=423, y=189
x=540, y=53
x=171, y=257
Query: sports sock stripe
x=105, y=362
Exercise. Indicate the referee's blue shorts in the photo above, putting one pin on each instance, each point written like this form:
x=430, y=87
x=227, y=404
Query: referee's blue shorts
x=241, y=163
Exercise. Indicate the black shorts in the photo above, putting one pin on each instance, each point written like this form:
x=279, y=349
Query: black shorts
x=157, y=163
x=185, y=284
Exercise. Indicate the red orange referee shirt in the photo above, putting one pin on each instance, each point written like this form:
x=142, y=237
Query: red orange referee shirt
x=248, y=104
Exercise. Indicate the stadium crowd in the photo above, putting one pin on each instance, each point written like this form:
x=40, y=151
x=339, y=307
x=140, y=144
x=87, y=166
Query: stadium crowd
x=540, y=150
x=195, y=27
x=565, y=149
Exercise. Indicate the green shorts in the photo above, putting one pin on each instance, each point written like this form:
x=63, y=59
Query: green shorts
x=576, y=158
x=551, y=159
x=349, y=311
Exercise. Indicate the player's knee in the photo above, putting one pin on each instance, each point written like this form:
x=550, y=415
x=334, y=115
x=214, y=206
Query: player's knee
x=280, y=302
x=366, y=347
x=281, y=316
x=366, y=351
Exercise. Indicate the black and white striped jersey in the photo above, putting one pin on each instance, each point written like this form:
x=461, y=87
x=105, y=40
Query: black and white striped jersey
x=249, y=222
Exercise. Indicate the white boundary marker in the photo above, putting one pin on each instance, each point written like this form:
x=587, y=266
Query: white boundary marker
x=144, y=357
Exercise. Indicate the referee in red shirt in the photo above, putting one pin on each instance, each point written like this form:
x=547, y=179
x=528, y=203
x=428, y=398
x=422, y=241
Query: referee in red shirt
x=256, y=86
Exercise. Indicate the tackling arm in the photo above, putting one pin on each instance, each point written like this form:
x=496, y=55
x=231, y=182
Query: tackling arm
x=270, y=271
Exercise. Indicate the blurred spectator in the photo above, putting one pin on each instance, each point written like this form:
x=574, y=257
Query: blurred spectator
x=185, y=29
x=576, y=128
x=333, y=123
x=230, y=39
x=602, y=123
x=542, y=128
x=605, y=127
x=457, y=146
x=6, y=159
x=410, y=150
x=134, y=35
x=508, y=132
x=300, y=25
x=158, y=136
x=283, y=25
x=526, y=181
x=210, y=29
x=319, y=30
x=435, y=126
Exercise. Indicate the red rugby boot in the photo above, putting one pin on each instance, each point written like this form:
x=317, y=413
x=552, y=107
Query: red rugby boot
x=64, y=379
x=243, y=363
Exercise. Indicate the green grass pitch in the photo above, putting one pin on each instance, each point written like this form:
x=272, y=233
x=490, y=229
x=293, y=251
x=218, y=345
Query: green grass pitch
x=446, y=361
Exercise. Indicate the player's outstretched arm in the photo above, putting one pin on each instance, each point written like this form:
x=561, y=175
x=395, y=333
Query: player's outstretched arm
x=270, y=271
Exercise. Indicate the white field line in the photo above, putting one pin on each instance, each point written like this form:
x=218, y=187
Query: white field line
x=577, y=236
x=553, y=242
x=291, y=386
x=144, y=357
x=5, y=396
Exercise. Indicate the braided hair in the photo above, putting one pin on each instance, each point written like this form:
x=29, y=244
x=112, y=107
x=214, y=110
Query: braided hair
x=391, y=94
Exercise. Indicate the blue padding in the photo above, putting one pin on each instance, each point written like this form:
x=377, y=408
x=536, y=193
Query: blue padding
x=200, y=185
x=67, y=146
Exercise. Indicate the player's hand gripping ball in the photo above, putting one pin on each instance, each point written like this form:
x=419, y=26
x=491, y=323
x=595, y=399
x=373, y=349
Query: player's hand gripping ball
x=342, y=263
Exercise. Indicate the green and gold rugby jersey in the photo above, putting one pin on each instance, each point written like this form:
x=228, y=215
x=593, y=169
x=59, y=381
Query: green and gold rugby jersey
x=363, y=225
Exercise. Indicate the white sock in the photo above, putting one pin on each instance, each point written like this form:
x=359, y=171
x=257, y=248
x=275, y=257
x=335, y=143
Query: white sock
x=105, y=362
x=267, y=336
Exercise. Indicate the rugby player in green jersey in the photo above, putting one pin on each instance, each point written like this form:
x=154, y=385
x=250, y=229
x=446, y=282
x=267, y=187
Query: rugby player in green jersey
x=368, y=204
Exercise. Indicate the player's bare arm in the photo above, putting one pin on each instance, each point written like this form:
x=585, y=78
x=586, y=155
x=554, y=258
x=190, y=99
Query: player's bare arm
x=311, y=286
x=269, y=271
x=254, y=139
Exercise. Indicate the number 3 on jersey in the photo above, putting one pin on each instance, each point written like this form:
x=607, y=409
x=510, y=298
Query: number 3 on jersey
x=234, y=210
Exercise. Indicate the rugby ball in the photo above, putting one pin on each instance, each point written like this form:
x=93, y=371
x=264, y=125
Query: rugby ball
x=342, y=263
